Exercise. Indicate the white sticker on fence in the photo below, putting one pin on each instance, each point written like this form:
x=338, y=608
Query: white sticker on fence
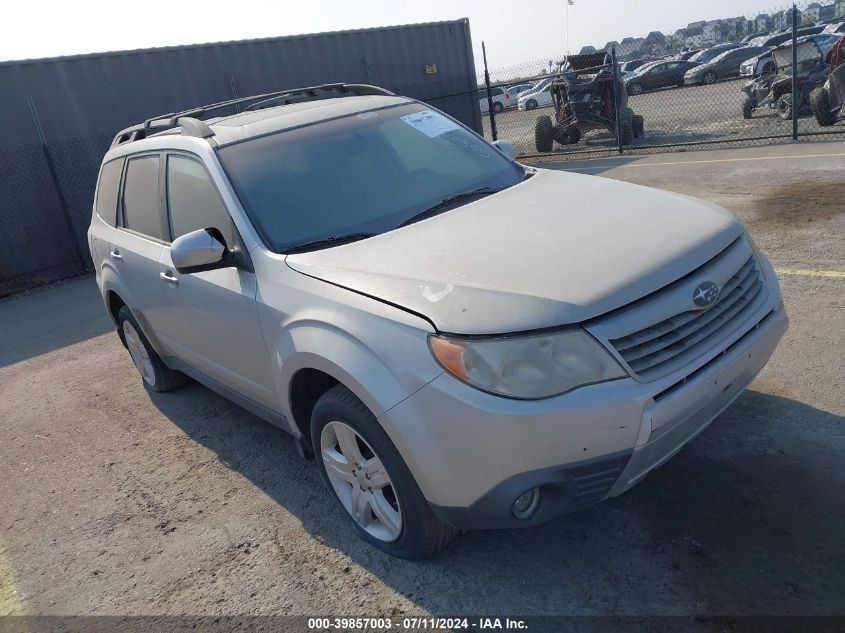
x=429, y=123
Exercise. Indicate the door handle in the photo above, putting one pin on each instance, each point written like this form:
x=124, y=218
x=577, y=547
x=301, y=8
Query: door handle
x=115, y=254
x=168, y=277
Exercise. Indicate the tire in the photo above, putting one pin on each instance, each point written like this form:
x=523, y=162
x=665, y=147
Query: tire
x=820, y=102
x=709, y=78
x=155, y=375
x=497, y=107
x=769, y=68
x=543, y=133
x=420, y=533
x=626, y=126
x=635, y=88
x=531, y=104
x=784, y=106
x=747, y=108
x=638, y=125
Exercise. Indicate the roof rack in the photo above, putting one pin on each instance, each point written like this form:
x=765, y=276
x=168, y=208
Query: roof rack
x=193, y=126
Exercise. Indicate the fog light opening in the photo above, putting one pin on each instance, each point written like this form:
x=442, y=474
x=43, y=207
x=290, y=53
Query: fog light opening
x=526, y=503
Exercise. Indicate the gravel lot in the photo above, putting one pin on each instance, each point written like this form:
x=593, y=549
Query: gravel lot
x=116, y=501
x=674, y=115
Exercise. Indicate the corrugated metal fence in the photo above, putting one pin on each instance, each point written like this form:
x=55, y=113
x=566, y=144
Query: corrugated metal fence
x=58, y=116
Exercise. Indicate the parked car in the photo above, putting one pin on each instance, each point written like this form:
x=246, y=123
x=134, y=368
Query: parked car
x=709, y=54
x=501, y=99
x=309, y=264
x=627, y=68
x=764, y=63
x=757, y=66
x=686, y=55
x=537, y=98
x=838, y=27
x=658, y=75
x=780, y=37
x=723, y=66
x=752, y=36
x=515, y=91
x=775, y=90
x=828, y=101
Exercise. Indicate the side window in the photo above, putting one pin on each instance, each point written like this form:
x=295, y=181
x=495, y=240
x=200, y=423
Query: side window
x=141, y=206
x=193, y=201
x=497, y=91
x=106, y=204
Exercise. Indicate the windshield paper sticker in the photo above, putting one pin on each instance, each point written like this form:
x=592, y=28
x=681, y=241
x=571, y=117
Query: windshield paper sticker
x=429, y=123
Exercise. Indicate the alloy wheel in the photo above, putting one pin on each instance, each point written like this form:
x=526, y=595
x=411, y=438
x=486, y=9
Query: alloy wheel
x=361, y=481
x=139, y=353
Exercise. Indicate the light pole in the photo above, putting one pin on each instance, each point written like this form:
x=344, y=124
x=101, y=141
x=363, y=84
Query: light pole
x=569, y=3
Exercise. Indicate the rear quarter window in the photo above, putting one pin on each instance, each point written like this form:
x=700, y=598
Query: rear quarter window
x=107, y=190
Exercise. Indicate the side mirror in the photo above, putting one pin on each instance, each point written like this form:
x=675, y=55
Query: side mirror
x=506, y=147
x=200, y=250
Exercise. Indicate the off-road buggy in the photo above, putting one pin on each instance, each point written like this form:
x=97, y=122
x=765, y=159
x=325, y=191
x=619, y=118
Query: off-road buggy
x=828, y=101
x=583, y=98
x=774, y=90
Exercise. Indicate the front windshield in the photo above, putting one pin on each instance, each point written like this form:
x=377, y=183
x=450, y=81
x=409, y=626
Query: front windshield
x=363, y=173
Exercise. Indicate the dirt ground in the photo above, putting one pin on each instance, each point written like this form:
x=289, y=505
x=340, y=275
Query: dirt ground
x=116, y=501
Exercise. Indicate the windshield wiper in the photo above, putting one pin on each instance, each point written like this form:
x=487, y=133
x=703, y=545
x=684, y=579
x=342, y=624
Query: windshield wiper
x=334, y=240
x=448, y=200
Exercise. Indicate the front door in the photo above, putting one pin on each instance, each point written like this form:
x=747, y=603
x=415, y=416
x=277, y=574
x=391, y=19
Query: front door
x=214, y=312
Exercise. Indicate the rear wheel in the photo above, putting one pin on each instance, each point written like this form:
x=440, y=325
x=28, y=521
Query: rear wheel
x=747, y=108
x=784, y=106
x=544, y=133
x=156, y=375
x=626, y=126
x=639, y=125
x=370, y=480
x=820, y=102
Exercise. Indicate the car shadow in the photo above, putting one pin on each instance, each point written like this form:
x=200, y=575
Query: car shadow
x=29, y=326
x=590, y=166
x=747, y=519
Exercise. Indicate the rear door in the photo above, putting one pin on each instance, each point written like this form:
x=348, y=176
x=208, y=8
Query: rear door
x=137, y=241
x=215, y=316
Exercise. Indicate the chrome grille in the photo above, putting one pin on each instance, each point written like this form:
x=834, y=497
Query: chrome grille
x=660, y=348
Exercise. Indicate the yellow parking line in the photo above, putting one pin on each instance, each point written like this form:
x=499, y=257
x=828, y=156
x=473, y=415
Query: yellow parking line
x=712, y=160
x=836, y=274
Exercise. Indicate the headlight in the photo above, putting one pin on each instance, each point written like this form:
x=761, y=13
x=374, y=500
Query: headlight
x=527, y=367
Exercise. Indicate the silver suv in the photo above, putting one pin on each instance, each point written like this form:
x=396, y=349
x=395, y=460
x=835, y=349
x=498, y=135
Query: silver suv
x=462, y=341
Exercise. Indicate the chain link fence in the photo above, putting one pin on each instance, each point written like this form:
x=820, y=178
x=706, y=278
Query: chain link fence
x=728, y=82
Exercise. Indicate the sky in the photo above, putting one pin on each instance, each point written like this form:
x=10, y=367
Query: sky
x=515, y=31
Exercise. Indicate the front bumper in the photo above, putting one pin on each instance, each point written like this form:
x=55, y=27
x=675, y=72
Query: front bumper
x=695, y=80
x=473, y=453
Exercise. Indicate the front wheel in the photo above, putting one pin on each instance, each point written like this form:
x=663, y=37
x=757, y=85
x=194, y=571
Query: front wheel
x=638, y=124
x=709, y=77
x=747, y=108
x=498, y=107
x=544, y=133
x=820, y=102
x=370, y=480
x=635, y=88
x=531, y=104
x=784, y=106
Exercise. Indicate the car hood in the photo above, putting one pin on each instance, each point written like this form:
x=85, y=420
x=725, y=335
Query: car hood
x=557, y=248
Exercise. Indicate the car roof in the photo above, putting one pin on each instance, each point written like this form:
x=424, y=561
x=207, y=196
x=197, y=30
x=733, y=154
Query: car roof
x=252, y=123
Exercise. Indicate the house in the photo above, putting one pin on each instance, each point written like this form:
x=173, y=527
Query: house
x=586, y=50
x=811, y=13
x=840, y=9
x=762, y=23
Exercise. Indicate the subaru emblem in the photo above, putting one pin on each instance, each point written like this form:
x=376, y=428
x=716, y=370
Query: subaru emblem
x=705, y=294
